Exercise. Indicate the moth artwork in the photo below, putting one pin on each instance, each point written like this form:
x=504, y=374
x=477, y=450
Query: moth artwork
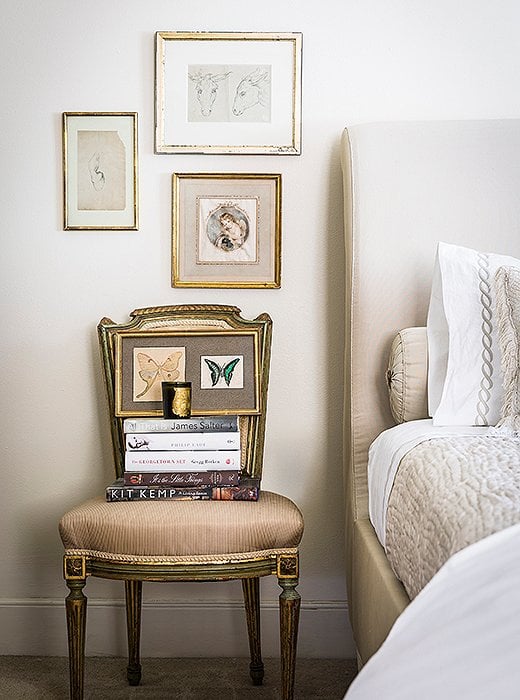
x=222, y=372
x=153, y=366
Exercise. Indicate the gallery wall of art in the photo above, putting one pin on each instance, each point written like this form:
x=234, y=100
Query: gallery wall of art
x=362, y=62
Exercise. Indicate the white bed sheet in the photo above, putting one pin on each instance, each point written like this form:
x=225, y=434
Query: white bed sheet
x=387, y=451
x=459, y=639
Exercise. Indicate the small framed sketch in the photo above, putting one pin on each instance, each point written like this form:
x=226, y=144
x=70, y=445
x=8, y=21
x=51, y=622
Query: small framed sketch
x=228, y=92
x=222, y=365
x=100, y=170
x=226, y=230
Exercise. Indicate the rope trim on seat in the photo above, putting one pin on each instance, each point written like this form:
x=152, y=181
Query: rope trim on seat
x=188, y=559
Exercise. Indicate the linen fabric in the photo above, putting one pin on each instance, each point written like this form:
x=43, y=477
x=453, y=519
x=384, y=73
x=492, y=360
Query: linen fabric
x=507, y=287
x=464, y=380
x=459, y=637
x=407, y=375
x=448, y=493
x=172, y=528
x=385, y=455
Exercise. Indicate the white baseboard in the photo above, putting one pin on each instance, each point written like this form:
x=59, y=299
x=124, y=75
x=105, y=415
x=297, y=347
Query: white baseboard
x=37, y=627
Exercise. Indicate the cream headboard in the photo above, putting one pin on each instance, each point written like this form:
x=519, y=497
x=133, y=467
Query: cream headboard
x=407, y=186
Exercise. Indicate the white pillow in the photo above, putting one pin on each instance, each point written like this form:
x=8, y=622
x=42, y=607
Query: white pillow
x=507, y=288
x=464, y=379
x=407, y=375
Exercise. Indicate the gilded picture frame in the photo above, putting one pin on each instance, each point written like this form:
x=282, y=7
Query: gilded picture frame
x=228, y=92
x=226, y=230
x=100, y=171
x=222, y=366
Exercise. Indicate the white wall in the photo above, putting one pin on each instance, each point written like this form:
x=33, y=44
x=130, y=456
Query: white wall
x=370, y=60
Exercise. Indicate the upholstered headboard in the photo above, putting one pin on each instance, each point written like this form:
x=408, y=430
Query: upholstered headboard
x=408, y=186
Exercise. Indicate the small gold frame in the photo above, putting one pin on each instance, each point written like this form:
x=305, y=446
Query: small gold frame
x=100, y=171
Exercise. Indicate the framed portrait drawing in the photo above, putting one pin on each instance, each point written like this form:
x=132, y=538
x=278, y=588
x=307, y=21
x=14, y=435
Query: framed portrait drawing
x=228, y=92
x=222, y=366
x=226, y=230
x=100, y=188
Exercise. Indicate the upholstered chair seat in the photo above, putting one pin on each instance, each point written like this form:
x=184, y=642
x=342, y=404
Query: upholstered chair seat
x=178, y=529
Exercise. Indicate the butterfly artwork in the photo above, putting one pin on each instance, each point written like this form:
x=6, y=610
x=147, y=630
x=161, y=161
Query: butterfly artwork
x=153, y=366
x=222, y=372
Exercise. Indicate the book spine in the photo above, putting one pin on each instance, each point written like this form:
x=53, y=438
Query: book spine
x=223, y=477
x=182, y=460
x=214, y=424
x=235, y=493
x=149, y=493
x=119, y=492
x=142, y=442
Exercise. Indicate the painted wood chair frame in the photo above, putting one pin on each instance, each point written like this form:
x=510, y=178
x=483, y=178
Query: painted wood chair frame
x=283, y=563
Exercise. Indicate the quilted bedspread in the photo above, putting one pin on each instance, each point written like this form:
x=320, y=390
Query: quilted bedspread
x=449, y=493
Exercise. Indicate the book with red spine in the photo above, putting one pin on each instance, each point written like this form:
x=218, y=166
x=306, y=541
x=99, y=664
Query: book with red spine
x=220, y=477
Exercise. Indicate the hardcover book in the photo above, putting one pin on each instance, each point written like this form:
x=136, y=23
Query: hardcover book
x=224, y=477
x=201, y=424
x=119, y=492
x=182, y=441
x=247, y=490
x=182, y=460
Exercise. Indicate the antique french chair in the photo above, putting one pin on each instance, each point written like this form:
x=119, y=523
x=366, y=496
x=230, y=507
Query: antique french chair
x=186, y=540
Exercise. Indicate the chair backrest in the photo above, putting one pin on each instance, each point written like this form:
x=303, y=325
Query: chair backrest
x=176, y=341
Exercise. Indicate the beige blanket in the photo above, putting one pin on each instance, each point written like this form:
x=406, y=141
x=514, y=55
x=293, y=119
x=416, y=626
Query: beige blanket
x=447, y=494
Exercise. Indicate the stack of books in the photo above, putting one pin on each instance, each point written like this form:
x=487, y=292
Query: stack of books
x=188, y=459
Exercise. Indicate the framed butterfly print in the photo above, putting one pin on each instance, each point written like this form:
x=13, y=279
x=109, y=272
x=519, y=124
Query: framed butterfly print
x=226, y=230
x=222, y=366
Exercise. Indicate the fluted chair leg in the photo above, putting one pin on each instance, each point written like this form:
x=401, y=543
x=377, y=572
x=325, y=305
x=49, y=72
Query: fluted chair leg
x=251, y=590
x=289, y=618
x=133, y=594
x=76, y=610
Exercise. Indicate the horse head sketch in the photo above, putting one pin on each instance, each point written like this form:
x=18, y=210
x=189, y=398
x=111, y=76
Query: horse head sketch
x=252, y=90
x=206, y=88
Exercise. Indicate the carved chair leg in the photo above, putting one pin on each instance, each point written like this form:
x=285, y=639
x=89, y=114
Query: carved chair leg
x=289, y=618
x=134, y=596
x=76, y=610
x=251, y=590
